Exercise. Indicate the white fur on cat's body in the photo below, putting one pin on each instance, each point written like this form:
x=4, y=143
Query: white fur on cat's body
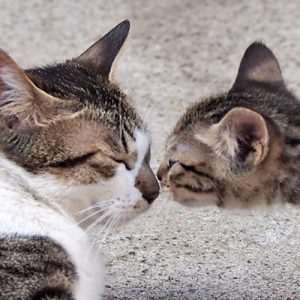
x=29, y=205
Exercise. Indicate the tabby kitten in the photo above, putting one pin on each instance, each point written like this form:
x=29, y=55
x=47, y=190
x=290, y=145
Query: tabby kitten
x=241, y=148
x=70, y=141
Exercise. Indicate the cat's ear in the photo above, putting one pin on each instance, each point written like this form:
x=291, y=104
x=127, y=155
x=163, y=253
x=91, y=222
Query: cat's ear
x=22, y=104
x=259, y=67
x=101, y=56
x=242, y=136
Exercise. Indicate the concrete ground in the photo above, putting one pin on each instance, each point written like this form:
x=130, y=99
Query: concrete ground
x=178, y=52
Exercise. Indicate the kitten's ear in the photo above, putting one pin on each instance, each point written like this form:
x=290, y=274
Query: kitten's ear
x=242, y=136
x=258, y=66
x=101, y=55
x=22, y=104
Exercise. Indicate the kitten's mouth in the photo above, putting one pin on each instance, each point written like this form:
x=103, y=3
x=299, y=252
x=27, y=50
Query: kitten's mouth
x=190, y=202
x=189, y=199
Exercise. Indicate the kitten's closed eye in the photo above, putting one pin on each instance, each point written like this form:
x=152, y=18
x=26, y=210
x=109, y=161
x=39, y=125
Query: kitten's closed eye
x=197, y=171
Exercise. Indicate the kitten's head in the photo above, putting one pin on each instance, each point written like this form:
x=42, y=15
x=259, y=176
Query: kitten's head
x=227, y=150
x=76, y=134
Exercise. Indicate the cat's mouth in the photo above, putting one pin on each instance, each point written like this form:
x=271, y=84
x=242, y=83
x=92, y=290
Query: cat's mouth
x=141, y=206
x=111, y=213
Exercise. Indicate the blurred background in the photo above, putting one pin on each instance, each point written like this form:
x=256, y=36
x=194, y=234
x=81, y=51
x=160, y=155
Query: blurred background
x=178, y=52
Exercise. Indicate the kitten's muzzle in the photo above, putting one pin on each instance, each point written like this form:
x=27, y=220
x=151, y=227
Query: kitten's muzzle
x=171, y=163
x=163, y=170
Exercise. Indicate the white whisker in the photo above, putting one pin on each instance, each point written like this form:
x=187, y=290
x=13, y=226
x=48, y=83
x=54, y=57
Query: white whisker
x=105, y=229
x=101, y=231
x=98, y=211
x=109, y=227
x=90, y=249
x=148, y=112
x=101, y=204
x=98, y=221
x=113, y=223
x=98, y=233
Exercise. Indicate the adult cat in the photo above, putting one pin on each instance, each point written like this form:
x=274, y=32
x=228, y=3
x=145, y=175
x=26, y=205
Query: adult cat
x=70, y=142
x=241, y=148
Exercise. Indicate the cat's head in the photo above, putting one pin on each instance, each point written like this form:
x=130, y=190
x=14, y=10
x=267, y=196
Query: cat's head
x=227, y=150
x=76, y=135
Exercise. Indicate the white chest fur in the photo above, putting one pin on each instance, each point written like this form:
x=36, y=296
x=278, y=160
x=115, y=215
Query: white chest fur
x=20, y=213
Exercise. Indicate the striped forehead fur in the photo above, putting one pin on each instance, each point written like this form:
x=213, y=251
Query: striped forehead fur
x=211, y=110
x=71, y=81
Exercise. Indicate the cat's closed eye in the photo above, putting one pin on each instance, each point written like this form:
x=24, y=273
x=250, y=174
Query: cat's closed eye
x=126, y=164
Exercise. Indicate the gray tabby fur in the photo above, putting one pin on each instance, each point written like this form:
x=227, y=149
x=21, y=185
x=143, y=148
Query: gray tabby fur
x=241, y=148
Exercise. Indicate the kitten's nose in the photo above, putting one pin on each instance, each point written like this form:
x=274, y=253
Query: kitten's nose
x=162, y=173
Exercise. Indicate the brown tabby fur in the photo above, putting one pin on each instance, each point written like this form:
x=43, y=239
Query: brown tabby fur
x=34, y=260
x=241, y=148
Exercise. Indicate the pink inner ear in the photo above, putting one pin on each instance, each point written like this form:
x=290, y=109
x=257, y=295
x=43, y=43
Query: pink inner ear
x=13, y=123
x=248, y=125
x=248, y=133
x=4, y=61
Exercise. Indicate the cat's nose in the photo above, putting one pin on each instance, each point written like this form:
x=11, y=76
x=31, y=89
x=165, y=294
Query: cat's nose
x=147, y=183
x=151, y=196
